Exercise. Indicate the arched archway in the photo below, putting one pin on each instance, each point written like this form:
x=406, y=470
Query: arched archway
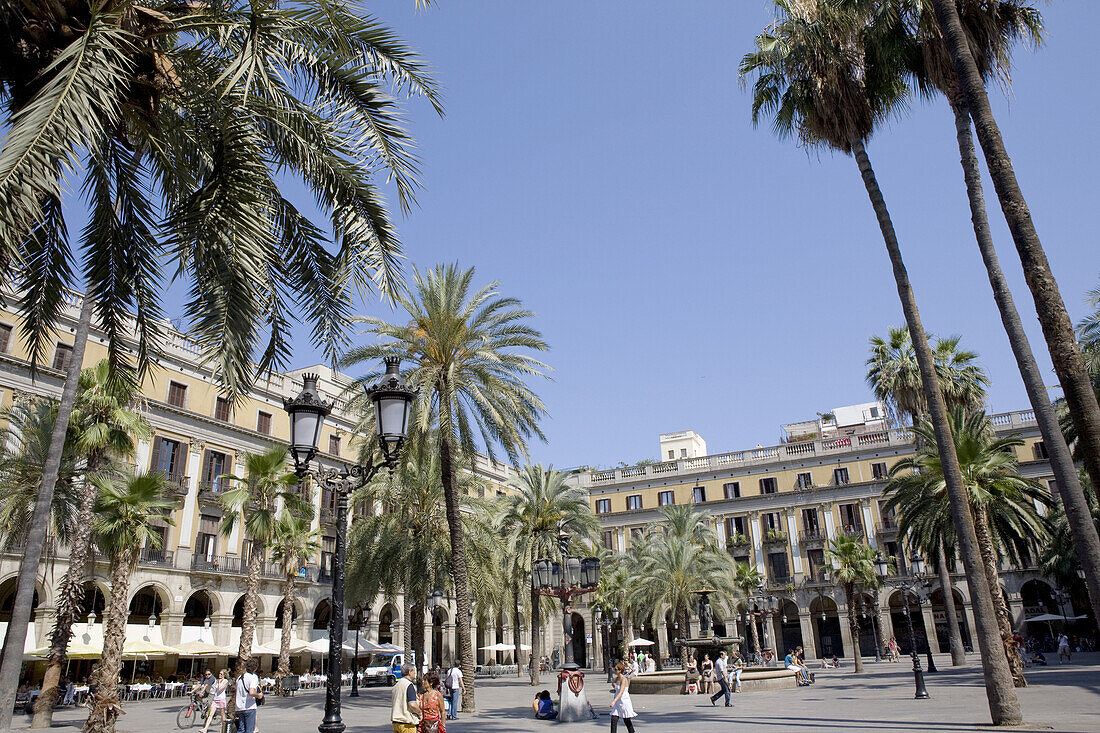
x=198, y=608
x=147, y=602
x=901, y=613
x=939, y=615
x=580, y=647
x=1038, y=598
x=385, y=626
x=7, y=600
x=322, y=614
x=279, y=613
x=826, y=622
x=94, y=601
x=790, y=628
x=870, y=625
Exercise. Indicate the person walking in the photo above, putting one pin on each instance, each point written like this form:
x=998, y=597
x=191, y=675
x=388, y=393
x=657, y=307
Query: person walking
x=1063, y=648
x=892, y=649
x=722, y=673
x=218, y=703
x=621, y=707
x=432, y=712
x=404, y=704
x=737, y=666
x=249, y=695
x=454, y=687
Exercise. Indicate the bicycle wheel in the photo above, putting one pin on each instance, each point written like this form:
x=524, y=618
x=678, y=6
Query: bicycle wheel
x=186, y=717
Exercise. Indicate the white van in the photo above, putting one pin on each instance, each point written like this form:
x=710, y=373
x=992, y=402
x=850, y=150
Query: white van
x=384, y=667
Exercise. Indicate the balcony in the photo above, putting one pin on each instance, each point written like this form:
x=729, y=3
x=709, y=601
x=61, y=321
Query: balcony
x=180, y=485
x=159, y=558
x=775, y=537
x=886, y=526
x=216, y=564
x=780, y=582
x=854, y=530
x=737, y=540
x=813, y=536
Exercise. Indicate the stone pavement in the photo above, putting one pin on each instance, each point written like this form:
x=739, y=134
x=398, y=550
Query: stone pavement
x=1060, y=698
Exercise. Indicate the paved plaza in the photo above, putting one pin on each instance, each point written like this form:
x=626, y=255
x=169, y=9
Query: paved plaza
x=1060, y=698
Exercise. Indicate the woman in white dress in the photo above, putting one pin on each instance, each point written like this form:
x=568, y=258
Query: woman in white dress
x=621, y=707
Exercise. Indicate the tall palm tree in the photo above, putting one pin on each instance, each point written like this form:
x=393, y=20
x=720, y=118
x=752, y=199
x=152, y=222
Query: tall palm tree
x=1058, y=331
x=1002, y=502
x=106, y=423
x=467, y=350
x=893, y=374
x=254, y=503
x=992, y=28
x=748, y=579
x=852, y=564
x=293, y=545
x=669, y=570
x=613, y=590
x=542, y=505
x=126, y=515
x=187, y=118
x=815, y=77
x=24, y=443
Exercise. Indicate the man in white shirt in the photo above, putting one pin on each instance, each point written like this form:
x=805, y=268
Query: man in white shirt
x=721, y=672
x=248, y=692
x=455, y=688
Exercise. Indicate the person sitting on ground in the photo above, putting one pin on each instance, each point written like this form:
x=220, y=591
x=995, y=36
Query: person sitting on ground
x=800, y=660
x=543, y=706
x=691, y=678
x=799, y=674
x=650, y=664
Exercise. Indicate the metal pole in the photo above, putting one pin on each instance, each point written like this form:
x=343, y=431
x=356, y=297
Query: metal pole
x=355, y=659
x=918, y=673
x=567, y=631
x=332, y=722
x=874, y=628
x=606, y=628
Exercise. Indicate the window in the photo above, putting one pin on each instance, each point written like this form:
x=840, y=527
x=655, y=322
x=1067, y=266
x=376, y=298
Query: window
x=732, y=490
x=214, y=464
x=634, y=501
x=805, y=480
x=206, y=541
x=809, y=521
x=816, y=560
x=61, y=357
x=169, y=457
x=263, y=422
x=608, y=539
x=177, y=394
x=328, y=552
x=850, y=518
x=666, y=498
x=5, y=337
x=672, y=455
x=222, y=409
x=878, y=470
x=777, y=564
x=334, y=445
x=772, y=522
x=840, y=476
x=769, y=485
x=874, y=412
x=683, y=452
x=636, y=534
x=603, y=506
x=1040, y=450
x=699, y=494
x=735, y=526
x=893, y=553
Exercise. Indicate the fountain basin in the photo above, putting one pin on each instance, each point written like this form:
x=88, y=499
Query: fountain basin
x=671, y=682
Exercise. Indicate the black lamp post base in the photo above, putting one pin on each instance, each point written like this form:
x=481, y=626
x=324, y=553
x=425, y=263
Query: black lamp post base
x=922, y=691
x=931, y=663
x=331, y=726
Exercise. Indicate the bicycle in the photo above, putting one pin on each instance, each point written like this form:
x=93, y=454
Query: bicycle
x=193, y=713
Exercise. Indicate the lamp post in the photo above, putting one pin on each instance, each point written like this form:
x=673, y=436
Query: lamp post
x=768, y=606
x=604, y=624
x=392, y=401
x=356, y=620
x=570, y=578
x=874, y=623
x=908, y=585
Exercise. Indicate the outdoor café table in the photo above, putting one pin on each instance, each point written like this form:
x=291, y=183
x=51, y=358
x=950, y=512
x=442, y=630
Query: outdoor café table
x=174, y=688
x=140, y=689
x=79, y=693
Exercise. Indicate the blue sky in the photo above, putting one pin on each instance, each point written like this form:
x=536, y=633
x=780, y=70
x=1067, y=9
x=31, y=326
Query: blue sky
x=689, y=271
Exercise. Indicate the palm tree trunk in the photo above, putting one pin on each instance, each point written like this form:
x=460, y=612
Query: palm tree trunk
x=16, y=637
x=989, y=558
x=1082, y=528
x=1004, y=705
x=70, y=597
x=958, y=653
x=853, y=626
x=755, y=636
x=536, y=634
x=516, y=624
x=251, y=592
x=685, y=651
x=407, y=635
x=106, y=706
x=458, y=567
x=284, y=642
x=416, y=620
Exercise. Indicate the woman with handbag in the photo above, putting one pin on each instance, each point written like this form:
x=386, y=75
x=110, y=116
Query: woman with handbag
x=432, y=711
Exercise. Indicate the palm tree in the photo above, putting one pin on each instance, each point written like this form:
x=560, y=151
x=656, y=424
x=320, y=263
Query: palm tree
x=543, y=505
x=106, y=424
x=24, y=443
x=254, y=502
x=1002, y=502
x=852, y=564
x=466, y=349
x=1057, y=327
x=293, y=544
x=815, y=77
x=613, y=591
x=748, y=579
x=187, y=118
x=992, y=29
x=126, y=512
x=894, y=375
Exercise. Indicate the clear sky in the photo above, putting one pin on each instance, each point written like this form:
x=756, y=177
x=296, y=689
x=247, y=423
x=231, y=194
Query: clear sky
x=689, y=271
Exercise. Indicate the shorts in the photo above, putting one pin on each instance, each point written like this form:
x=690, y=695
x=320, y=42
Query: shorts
x=404, y=727
x=219, y=704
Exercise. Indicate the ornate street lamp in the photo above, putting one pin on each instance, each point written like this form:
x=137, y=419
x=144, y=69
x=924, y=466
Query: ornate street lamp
x=604, y=624
x=392, y=401
x=908, y=585
x=565, y=581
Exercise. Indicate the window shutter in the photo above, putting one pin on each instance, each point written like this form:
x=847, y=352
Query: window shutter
x=154, y=462
x=179, y=466
x=205, y=477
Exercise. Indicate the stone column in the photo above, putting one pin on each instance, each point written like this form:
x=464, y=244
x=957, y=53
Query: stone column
x=796, y=548
x=171, y=628
x=868, y=521
x=809, y=640
x=930, y=627
x=448, y=644
x=220, y=623
x=190, y=502
x=845, y=631
x=826, y=512
x=44, y=619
